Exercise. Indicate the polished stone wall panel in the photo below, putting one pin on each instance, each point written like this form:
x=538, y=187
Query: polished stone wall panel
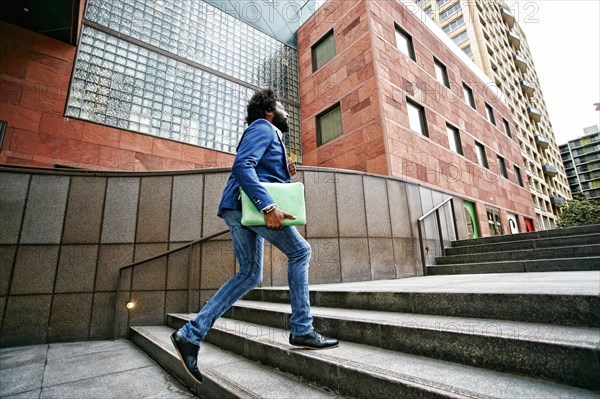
x=350, y=205
x=354, y=254
x=154, y=209
x=84, y=211
x=70, y=317
x=35, y=269
x=120, y=210
x=45, y=211
x=7, y=260
x=12, y=203
x=186, y=211
x=377, y=207
x=111, y=258
x=76, y=268
x=320, y=193
x=26, y=320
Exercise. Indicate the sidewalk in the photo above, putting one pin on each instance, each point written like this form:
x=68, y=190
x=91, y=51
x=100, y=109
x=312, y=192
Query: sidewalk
x=94, y=370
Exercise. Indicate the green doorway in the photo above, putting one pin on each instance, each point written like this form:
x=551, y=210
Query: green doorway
x=471, y=219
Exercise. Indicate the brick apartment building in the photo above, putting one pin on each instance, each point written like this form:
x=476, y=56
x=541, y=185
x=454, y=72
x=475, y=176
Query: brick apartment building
x=369, y=84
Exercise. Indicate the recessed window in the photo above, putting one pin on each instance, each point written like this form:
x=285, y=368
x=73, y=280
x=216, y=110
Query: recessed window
x=323, y=51
x=416, y=118
x=490, y=114
x=454, y=139
x=481, y=157
x=441, y=73
x=329, y=124
x=404, y=43
x=502, y=167
x=518, y=177
x=469, y=98
x=507, y=128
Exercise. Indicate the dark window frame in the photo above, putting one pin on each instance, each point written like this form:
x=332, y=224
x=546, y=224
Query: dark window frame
x=411, y=47
x=507, y=130
x=458, y=141
x=320, y=115
x=471, y=100
x=489, y=112
x=502, y=170
x=422, y=117
x=439, y=64
x=484, y=162
x=317, y=44
x=518, y=176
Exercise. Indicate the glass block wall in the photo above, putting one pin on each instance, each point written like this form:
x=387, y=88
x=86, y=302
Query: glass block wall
x=179, y=70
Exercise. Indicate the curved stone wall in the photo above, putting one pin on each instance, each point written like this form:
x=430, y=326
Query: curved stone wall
x=65, y=234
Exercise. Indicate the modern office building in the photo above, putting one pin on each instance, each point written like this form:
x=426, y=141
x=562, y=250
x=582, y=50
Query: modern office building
x=370, y=85
x=581, y=159
x=489, y=32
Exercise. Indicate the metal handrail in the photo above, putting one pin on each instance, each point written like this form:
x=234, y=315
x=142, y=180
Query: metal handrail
x=420, y=220
x=150, y=259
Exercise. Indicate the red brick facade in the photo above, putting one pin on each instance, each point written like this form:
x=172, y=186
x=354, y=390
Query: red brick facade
x=372, y=79
x=35, y=72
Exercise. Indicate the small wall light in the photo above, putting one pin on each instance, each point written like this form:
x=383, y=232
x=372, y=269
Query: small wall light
x=130, y=305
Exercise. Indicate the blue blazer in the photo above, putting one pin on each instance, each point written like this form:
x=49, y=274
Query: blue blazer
x=261, y=157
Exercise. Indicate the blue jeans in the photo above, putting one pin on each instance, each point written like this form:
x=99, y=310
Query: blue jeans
x=248, y=249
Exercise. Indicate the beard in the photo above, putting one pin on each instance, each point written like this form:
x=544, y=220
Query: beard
x=281, y=123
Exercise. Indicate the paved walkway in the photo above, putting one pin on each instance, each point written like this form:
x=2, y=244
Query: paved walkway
x=94, y=370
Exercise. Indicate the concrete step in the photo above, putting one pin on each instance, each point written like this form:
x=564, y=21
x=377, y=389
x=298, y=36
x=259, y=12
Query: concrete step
x=570, y=231
x=226, y=375
x=365, y=371
x=522, y=244
x=533, y=298
x=567, y=355
x=516, y=266
x=579, y=251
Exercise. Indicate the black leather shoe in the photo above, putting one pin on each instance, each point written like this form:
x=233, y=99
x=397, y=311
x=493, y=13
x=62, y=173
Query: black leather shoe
x=313, y=340
x=188, y=354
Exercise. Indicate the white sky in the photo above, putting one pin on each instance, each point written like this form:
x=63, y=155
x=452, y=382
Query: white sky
x=564, y=39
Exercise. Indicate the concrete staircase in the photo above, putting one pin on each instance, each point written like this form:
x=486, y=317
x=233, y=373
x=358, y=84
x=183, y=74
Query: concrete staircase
x=435, y=336
x=576, y=248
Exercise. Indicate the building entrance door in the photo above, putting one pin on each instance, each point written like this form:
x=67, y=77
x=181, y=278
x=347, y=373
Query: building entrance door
x=471, y=219
x=513, y=223
x=493, y=216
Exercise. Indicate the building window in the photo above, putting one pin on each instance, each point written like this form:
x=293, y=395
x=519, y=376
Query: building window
x=502, y=167
x=490, y=114
x=507, y=128
x=458, y=39
x=323, y=51
x=481, y=157
x=450, y=12
x=469, y=97
x=518, y=177
x=404, y=43
x=467, y=50
x=453, y=25
x=329, y=124
x=454, y=139
x=441, y=73
x=416, y=118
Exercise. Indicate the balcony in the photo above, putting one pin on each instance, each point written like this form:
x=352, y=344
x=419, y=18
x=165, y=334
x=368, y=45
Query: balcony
x=535, y=114
x=521, y=63
x=508, y=17
x=557, y=200
x=528, y=88
x=515, y=39
x=550, y=170
x=542, y=141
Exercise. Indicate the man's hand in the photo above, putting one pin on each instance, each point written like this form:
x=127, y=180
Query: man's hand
x=291, y=167
x=274, y=219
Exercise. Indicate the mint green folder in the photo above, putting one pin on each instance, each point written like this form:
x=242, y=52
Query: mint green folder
x=289, y=197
